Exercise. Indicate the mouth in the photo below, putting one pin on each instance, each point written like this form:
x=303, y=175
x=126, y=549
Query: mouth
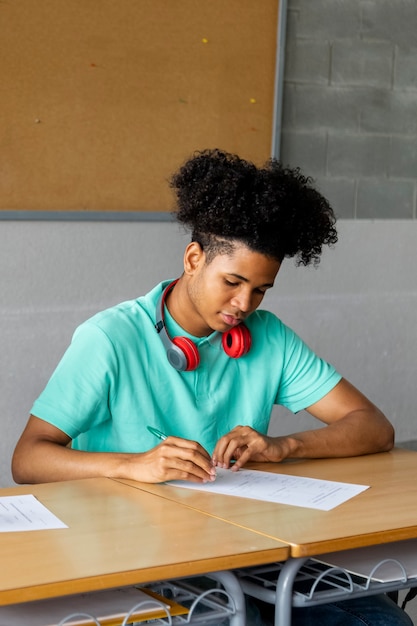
x=231, y=320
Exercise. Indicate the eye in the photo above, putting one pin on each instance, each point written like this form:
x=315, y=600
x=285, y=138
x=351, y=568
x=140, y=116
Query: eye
x=230, y=283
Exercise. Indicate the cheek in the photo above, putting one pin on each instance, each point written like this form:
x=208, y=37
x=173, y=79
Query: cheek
x=255, y=302
x=202, y=292
x=214, y=289
x=258, y=300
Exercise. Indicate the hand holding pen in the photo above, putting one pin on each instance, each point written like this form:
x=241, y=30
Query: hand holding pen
x=183, y=459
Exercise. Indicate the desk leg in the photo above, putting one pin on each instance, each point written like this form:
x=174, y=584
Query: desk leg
x=232, y=586
x=284, y=590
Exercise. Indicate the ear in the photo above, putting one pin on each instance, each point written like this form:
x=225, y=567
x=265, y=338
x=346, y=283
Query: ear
x=193, y=257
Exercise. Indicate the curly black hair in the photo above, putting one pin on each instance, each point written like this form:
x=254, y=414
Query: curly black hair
x=273, y=209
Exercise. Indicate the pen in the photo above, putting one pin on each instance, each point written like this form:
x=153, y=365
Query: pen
x=157, y=433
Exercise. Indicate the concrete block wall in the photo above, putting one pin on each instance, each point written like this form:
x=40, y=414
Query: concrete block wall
x=350, y=103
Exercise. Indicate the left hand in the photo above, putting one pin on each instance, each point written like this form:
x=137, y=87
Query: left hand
x=243, y=444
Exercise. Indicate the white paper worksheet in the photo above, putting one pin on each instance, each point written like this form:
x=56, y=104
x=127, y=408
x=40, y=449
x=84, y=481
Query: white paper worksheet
x=281, y=488
x=25, y=512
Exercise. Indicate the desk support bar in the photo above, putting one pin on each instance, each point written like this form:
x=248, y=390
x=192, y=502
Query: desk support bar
x=283, y=595
x=232, y=585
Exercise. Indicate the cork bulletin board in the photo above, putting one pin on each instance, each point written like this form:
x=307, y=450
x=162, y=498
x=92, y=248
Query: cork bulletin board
x=102, y=100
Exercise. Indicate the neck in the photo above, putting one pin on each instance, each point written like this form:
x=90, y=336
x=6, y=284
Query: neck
x=183, y=311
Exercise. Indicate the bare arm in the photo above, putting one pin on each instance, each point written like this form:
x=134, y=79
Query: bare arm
x=354, y=426
x=41, y=455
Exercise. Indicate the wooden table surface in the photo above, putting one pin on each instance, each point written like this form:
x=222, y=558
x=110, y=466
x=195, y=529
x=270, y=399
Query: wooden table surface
x=385, y=512
x=118, y=536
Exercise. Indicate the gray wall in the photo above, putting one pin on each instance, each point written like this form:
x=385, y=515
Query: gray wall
x=350, y=102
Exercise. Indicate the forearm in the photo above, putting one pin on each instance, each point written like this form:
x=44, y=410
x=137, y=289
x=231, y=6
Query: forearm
x=359, y=432
x=354, y=426
x=50, y=462
x=42, y=455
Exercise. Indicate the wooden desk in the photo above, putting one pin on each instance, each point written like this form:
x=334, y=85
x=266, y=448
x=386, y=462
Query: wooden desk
x=119, y=536
x=385, y=512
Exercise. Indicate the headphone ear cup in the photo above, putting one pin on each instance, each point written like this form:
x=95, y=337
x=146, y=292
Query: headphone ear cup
x=189, y=350
x=237, y=341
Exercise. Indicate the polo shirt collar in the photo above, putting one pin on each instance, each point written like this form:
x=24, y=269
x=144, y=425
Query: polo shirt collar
x=175, y=330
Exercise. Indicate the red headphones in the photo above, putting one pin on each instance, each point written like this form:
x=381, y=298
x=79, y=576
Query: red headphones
x=183, y=354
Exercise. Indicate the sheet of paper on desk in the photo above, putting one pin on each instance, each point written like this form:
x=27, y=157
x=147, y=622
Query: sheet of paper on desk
x=381, y=563
x=25, y=512
x=281, y=488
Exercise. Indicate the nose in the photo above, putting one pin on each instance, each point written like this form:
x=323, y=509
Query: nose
x=242, y=301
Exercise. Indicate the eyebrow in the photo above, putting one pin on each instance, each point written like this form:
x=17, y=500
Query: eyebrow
x=245, y=280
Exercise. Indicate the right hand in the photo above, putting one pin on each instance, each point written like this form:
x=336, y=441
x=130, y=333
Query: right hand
x=173, y=459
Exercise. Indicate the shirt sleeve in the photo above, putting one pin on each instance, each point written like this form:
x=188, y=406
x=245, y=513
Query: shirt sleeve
x=306, y=378
x=76, y=397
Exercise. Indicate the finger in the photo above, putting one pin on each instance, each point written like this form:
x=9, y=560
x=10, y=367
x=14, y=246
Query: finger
x=219, y=450
x=189, y=460
x=187, y=443
x=242, y=458
x=230, y=453
x=180, y=469
x=223, y=449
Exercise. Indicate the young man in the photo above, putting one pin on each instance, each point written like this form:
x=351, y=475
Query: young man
x=196, y=359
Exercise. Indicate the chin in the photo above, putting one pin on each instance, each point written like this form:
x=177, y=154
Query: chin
x=217, y=328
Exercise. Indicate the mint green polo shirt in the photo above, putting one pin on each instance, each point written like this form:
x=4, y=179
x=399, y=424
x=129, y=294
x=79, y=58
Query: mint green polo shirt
x=115, y=379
